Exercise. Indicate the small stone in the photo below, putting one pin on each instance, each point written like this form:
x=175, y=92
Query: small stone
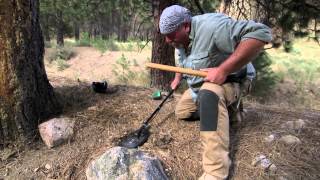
x=93, y=108
x=272, y=168
x=257, y=160
x=47, y=166
x=316, y=133
x=297, y=125
x=289, y=140
x=265, y=163
x=36, y=169
x=270, y=138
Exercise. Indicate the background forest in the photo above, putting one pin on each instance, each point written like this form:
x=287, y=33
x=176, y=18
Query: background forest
x=129, y=26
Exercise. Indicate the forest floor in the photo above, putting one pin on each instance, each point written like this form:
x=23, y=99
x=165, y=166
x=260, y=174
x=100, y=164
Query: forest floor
x=101, y=119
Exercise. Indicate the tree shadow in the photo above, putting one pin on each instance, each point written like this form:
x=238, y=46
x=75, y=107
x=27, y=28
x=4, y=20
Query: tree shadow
x=78, y=97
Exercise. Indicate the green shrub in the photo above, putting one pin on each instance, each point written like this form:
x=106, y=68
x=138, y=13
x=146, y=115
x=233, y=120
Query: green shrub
x=125, y=75
x=111, y=45
x=47, y=44
x=142, y=78
x=266, y=78
x=99, y=44
x=70, y=44
x=62, y=64
x=84, y=40
x=304, y=73
x=288, y=46
x=130, y=47
x=122, y=70
x=63, y=53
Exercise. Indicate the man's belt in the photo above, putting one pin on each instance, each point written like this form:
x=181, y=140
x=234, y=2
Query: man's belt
x=237, y=76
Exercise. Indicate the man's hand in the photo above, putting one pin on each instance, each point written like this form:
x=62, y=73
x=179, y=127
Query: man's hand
x=215, y=75
x=175, y=83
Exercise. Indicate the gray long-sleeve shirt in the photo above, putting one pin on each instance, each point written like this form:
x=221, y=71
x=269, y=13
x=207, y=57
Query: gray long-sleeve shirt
x=213, y=38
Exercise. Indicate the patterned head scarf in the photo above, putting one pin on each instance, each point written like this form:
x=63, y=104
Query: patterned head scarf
x=172, y=17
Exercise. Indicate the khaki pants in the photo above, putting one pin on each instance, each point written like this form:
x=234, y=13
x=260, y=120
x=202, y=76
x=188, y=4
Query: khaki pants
x=215, y=156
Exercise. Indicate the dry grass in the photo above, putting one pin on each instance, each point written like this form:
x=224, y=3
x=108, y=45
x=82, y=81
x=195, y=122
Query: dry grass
x=103, y=118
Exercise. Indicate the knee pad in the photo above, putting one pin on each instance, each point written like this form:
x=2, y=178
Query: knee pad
x=208, y=107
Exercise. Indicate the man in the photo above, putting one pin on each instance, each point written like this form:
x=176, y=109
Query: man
x=215, y=43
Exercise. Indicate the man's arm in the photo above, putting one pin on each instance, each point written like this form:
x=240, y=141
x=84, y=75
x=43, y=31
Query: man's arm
x=243, y=40
x=243, y=54
x=176, y=81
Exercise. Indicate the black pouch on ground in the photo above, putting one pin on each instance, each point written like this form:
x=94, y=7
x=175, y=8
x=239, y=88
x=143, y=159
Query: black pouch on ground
x=100, y=87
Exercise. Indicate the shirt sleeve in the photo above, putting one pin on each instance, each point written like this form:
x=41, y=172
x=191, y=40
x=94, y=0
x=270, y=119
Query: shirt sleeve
x=229, y=33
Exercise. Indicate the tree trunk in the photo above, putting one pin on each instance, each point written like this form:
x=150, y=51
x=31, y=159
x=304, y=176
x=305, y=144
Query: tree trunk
x=60, y=41
x=76, y=30
x=118, y=24
x=26, y=96
x=162, y=53
x=46, y=28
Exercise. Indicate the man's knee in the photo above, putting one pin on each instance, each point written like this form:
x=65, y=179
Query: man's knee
x=187, y=115
x=208, y=105
x=181, y=114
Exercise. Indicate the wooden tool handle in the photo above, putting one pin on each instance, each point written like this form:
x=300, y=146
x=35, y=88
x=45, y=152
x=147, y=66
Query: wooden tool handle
x=177, y=69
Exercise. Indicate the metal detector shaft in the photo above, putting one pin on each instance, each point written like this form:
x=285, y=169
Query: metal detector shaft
x=146, y=122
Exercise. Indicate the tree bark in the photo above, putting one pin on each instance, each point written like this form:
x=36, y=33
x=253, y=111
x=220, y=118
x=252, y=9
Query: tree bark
x=162, y=53
x=76, y=30
x=26, y=96
x=60, y=41
x=46, y=29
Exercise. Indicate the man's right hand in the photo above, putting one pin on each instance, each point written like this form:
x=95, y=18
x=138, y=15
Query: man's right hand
x=175, y=83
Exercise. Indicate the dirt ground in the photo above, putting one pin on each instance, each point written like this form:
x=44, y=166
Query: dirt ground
x=101, y=119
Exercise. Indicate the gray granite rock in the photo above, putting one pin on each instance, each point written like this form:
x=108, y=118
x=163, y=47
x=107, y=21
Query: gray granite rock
x=120, y=163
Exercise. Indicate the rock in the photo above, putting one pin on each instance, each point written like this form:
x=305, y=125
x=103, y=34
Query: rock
x=289, y=140
x=257, y=160
x=316, y=133
x=297, y=125
x=36, y=169
x=56, y=131
x=93, y=108
x=264, y=163
x=122, y=163
x=273, y=168
x=47, y=166
x=270, y=138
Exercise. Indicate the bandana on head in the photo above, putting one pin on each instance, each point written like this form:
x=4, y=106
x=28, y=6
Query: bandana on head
x=172, y=17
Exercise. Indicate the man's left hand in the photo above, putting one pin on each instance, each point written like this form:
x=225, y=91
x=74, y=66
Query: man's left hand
x=215, y=75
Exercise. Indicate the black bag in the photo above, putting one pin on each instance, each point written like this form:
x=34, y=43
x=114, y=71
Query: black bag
x=100, y=87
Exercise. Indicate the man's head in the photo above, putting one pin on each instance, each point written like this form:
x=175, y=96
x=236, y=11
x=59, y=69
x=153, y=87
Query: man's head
x=175, y=25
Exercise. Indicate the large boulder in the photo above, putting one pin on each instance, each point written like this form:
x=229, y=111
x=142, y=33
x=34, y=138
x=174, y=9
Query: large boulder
x=120, y=163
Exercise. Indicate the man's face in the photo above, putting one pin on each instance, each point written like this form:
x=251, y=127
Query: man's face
x=180, y=37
